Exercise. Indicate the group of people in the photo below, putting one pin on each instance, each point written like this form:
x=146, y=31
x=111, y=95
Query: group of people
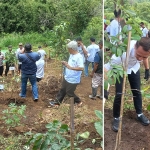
x=30, y=64
x=139, y=52
x=79, y=60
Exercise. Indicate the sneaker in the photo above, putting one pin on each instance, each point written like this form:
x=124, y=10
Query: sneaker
x=21, y=96
x=115, y=124
x=92, y=97
x=144, y=121
x=54, y=103
x=99, y=96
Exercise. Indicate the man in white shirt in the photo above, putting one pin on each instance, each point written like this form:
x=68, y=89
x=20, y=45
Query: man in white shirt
x=20, y=50
x=115, y=27
x=91, y=51
x=139, y=51
x=40, y=64
x=74, y=68
x=144, y=30
x=1, y=63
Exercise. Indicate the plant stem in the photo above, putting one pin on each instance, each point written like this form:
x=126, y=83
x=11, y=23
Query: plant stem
x=118, y=137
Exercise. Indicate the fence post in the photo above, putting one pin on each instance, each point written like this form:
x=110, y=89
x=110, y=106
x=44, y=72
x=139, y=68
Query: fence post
x=72, y=122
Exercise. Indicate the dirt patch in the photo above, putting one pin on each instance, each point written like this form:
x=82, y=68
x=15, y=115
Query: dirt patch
x=38, y=114
x=134, y=135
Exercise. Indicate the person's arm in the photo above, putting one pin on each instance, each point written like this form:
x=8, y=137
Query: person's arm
x=146, y=63
x=83, y=49
x=72, y=68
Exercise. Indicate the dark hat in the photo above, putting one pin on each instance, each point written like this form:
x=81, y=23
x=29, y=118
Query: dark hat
x=39, y=46
x=9, y=46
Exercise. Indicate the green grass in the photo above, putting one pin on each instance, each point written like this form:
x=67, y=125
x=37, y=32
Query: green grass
x=34, y=38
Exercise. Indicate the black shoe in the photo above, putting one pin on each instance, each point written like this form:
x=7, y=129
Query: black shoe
x=144, y=121
x=54, y=103
x=115, y=124
x=35, y=100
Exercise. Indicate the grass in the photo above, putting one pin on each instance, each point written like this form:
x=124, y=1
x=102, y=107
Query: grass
x=13, y=142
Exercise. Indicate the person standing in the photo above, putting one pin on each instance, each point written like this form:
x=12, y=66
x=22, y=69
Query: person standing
x=139, y=51
x=1, y=63
x=40, y=64
x=28, y=70
x=10, y=60
x=115, y=27
x=91, y=51
x=144, y=30
x=20, y=50
x=97, y=73
x=72, y=77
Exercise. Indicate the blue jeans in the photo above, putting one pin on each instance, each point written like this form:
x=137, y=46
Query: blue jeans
x=87, y=66
x=32, y=79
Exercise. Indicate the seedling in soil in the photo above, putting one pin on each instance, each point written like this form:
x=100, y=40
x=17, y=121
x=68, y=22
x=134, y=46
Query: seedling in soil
x=13, y=115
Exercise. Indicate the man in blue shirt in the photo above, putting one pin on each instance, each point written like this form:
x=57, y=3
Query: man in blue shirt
x=28, y=70
x=97, y=73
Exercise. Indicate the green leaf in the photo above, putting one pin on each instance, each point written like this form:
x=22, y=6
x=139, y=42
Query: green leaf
x=148, y=107
x=99, y=128
x=113, y=49
x=37, y=143
x=136, y=37
x=99, y=114
x=85, y=135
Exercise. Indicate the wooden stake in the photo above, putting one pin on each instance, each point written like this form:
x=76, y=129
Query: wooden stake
x=72, y=122
x=118, y=137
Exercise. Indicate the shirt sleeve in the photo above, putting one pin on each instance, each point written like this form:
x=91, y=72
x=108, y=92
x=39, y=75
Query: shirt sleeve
x=97, y=58
x=80, y=62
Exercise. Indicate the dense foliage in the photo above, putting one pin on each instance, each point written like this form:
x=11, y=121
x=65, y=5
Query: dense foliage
x=40, y=15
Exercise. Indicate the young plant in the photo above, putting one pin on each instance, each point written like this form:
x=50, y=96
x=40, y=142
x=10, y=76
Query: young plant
x=99, y=124
x=53, y=139
x=13, y=115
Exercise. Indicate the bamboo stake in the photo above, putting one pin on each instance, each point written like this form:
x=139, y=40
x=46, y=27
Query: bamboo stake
x=72, y=122
x=118, y=137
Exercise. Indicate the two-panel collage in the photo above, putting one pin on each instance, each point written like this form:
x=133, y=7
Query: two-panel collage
x=74, y=75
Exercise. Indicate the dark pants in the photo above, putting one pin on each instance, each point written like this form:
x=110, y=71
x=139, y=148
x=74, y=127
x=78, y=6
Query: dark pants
x=7, y=67
x=134, y=80
x=1, y=70
x=67, y=88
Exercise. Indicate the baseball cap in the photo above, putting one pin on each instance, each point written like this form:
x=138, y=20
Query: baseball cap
x=20, y=44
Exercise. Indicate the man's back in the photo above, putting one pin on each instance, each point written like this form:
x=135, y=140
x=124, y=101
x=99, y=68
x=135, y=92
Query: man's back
x=92, y=49
x=28, y=62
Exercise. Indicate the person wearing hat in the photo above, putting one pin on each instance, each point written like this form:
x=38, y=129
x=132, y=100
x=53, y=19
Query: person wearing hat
x=10, y=60
x=40, y=64
x=20, y=50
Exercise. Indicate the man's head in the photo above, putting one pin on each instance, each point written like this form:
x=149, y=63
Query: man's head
x=79, y=41
x=20, y=45
x=39, y=47
x=142, y=48
x=72, y=46
x=117, y=13
x=142, y=24
x=92, y=39
x=100, y=44
x=28, y=47
x=10, y=48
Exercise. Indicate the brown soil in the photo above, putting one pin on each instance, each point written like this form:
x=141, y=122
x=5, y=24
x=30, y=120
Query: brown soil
x=134, y=136
x=38, y=114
